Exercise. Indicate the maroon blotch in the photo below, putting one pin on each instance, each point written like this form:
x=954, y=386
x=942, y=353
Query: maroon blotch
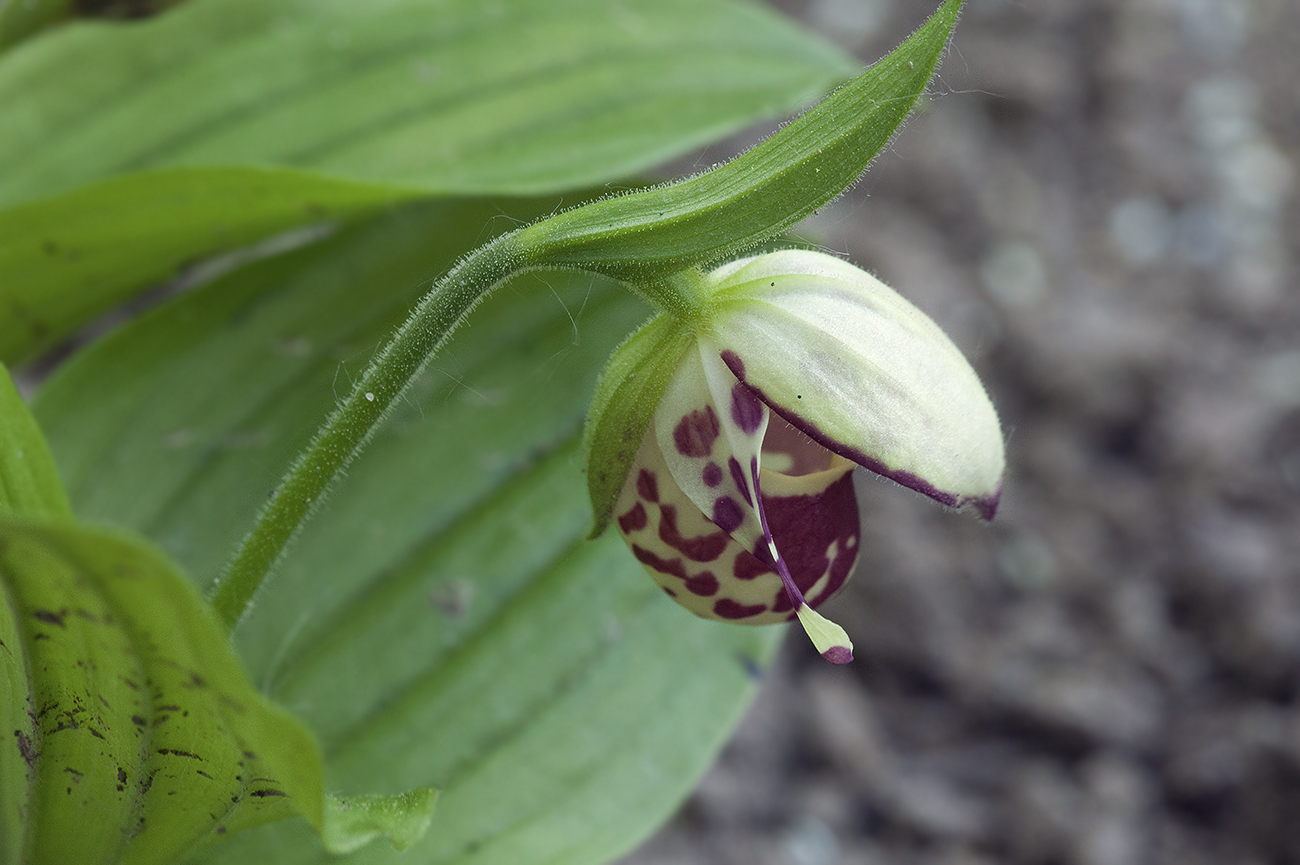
x=634, y=520
x=695, y=433
x=738, y=476
x=671, y=567
x=712, y=475
x=804, y=529
x=746, y=566
x=746, y=410
x=704, y=585
x=734, y=363
x=705, y=548
x=646, y=486
x=727, y=514
x=729, y=609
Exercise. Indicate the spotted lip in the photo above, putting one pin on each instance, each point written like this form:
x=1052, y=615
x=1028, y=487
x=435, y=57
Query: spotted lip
x=985, y=506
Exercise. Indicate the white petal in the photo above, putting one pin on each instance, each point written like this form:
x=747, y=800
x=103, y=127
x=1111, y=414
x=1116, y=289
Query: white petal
x=844, y=358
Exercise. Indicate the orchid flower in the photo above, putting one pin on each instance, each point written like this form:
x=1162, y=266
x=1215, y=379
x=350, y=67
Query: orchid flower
x=786, y=371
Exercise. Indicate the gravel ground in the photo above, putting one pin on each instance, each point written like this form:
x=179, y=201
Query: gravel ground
x=1100, y=206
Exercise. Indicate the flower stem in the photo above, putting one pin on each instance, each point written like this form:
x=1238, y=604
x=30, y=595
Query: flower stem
x=348, y=428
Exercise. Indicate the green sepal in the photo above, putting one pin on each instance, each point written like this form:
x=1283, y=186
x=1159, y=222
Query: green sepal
x=647, y=236
x=29, y=481
x=626, y=397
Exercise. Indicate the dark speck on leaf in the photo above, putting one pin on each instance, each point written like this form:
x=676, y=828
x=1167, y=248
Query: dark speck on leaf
x=50, y=617
x=179, y=753
x=26, y=748
x=261, y=794
x=751, y=667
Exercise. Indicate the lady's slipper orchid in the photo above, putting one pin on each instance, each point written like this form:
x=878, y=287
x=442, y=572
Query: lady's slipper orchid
x=750, y=518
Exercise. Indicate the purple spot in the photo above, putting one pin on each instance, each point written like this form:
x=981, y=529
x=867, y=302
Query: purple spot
x=705, y=548
x=703, y=585
x=695, y=433
x=729, y=609
x=671, y=567
x=634, y=520
x=805, y=527
x=646, y=486
x=727, y=514
x=712, y=475
x=838, y=654
x=781, y=602
x=746, y=567
x=746, y=410
x=734, y=363
x=669, y=592
x=738, y=476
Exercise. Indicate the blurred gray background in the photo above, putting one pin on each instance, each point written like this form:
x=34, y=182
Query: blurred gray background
x=1099, y=205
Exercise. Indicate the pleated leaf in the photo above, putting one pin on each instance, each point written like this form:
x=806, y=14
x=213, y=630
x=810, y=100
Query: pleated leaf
x=446, y=95
x=146, y=736
x=370, y=102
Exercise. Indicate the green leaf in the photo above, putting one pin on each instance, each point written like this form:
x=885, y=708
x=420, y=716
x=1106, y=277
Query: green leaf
x=29, y=481
x=409, y=99
x=652, y=235
x=67, y=259
x=441, y=621
x=148, y=738
x=17, y=720
x=22, y=19
x=352, y=823
x=460, y=96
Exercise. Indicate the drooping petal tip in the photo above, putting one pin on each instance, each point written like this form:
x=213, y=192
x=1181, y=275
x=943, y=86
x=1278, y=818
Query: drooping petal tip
x=987, y=506
x=829, y=638
x=838, y=655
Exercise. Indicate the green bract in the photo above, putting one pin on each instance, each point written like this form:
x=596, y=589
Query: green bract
x=798, y=361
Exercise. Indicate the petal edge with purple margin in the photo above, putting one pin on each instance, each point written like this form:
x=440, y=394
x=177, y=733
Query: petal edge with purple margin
x=985, y=506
